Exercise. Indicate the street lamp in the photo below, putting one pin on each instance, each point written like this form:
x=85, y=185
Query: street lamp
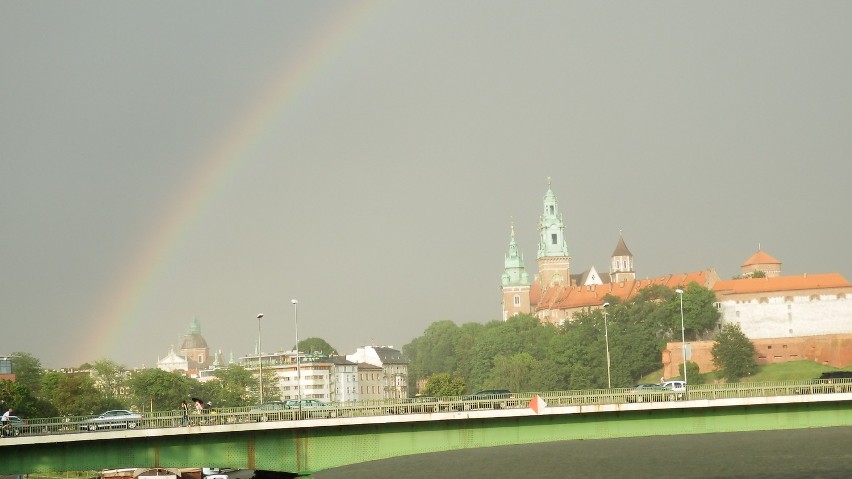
x=682, y=333
x=260, y=357
x=298, y=363
x=606, y=338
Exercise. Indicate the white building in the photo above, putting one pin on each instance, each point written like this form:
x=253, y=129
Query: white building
x=394, y=375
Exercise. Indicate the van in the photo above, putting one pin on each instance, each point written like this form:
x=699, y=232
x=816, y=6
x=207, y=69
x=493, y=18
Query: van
x=676, y=386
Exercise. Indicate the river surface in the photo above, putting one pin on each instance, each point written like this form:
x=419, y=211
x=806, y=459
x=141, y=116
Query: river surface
x=819, y=453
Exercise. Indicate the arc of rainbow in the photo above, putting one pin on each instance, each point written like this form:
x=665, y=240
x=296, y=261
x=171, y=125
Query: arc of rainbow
x=153, y=255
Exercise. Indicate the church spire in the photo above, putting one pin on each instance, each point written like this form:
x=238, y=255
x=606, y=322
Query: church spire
x=554, y=264
x=514, y=271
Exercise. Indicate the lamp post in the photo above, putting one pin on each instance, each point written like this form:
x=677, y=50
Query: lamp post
x=682, y=333
x=606, y=339
x=260, y=357
x=298, y=363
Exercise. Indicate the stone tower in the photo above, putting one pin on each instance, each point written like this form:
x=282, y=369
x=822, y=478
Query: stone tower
x=621, y=268
x=515, y=281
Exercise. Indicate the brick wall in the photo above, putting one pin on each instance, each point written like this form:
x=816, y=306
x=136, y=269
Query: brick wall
x=831, y=349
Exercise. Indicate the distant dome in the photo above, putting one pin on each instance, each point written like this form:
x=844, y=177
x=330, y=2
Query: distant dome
x=193, y=338
x=193, y=341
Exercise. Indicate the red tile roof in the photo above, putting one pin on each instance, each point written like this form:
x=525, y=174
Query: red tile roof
x=562, y=297
x=760, y=258
x=781, y=283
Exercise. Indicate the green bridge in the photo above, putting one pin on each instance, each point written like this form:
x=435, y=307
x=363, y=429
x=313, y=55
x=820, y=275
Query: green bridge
x=305, y=446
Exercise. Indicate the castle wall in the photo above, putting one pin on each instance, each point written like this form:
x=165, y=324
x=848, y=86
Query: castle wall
x=832, y=350
x=788, y=316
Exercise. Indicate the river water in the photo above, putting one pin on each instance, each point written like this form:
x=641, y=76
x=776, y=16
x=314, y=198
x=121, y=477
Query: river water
x=819, y=453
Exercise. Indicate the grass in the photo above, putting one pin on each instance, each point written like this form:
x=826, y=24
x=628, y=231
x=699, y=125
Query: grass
x=789, y=371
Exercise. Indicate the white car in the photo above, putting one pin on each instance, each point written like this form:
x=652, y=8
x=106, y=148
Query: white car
x=676, y=386
x=118, y=418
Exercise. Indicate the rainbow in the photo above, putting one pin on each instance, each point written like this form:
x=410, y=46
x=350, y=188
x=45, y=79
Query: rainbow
x=156, y=249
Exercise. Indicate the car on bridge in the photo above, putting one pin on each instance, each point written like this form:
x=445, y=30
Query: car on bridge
x=487, y=399
x=115, y=419
x=294, y=409
x=678, y=387
x=650, y=393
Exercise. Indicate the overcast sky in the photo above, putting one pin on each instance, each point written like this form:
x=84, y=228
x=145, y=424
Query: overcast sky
x=163, y=161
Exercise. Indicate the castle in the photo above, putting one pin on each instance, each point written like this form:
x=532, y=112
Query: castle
x=768, y=306
x=555, y=294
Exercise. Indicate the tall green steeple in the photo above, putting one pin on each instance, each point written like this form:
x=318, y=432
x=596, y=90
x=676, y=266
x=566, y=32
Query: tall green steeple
x=514, y=272
x=554, y=264
x=551, y=228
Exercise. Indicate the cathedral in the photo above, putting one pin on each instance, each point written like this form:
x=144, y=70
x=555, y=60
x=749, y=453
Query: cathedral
x=554, y=294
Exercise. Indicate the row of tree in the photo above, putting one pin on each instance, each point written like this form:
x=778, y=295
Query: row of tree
x=107, y=385
x=523, y=355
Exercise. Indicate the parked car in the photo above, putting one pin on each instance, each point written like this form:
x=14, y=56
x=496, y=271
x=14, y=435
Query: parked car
x=649, y=392
x=678, y=387
x=487, y=399
x=311, y=408
x=13, y=429
x=269, y=411
x=416, y=404
x=117, y=418
x=836, y=381
x=291, y=408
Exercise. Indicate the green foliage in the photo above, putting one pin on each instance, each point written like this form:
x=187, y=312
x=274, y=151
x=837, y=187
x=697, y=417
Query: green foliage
x=733, y=353
x=442, y=385
x=28, y=371
x=16, y=396
x=109, y=377
x=521, y=354
x=315, y=345
x=235, y=385
x=158, y=390
x=76, y=395
x=693, y=373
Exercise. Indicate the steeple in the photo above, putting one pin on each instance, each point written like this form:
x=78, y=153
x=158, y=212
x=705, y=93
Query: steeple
x=554, y=264
x=514, y=272
x=551, y=228
x=621, y=268
x=516, y=281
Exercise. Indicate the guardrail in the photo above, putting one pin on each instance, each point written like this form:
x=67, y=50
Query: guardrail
x=167, y=419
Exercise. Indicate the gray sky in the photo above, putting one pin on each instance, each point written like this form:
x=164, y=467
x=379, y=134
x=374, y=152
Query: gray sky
x=161, y=161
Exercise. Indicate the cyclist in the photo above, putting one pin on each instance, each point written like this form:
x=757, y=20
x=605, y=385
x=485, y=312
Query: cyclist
x=6, y=421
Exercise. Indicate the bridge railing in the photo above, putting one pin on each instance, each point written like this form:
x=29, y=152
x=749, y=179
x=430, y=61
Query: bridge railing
x=167, y=419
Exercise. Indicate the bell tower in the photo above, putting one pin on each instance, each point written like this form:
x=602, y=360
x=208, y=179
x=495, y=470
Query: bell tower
x=621, y=268
x=515, y=281
x=554, y=263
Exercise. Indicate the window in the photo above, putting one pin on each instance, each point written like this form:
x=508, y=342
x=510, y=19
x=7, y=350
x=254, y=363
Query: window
x=517, y=300
x=553, y=238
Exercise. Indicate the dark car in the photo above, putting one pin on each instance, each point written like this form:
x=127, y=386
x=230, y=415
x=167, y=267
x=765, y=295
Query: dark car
x=835, y=381
x=487, y=399
x=649, y=392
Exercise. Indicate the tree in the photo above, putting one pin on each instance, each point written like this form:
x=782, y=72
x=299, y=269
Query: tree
x=17, y=396
x=159, y=390
x=316, y=345
x=512, y=372
x=28, y=371
x=76, y=395
x=733, y=353
x=442, y=385
x=109, y=377
x=235, y=383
